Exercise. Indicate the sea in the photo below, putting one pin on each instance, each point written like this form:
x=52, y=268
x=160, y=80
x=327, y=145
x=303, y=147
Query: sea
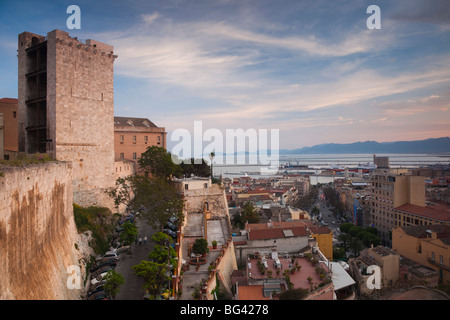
x=314, y=163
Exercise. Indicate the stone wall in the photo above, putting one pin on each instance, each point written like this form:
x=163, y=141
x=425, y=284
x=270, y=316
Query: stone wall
x=37, y=232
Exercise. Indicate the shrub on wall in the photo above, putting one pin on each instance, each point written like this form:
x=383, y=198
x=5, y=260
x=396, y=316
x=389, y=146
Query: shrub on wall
x=99, y=221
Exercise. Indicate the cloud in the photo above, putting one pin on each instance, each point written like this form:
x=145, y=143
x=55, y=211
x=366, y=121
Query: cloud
x=249, y=77
x=432, y=11
x=150, y=18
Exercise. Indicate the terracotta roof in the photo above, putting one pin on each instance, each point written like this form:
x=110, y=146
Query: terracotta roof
x=252, y=293
x=319, y=230
x=433, y=212
x=421, y=231
x=8, y=100
x=133, y=122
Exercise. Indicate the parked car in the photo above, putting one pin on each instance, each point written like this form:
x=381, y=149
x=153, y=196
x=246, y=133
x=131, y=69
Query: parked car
x=125, y=219
x=174, y=220
x=121, y=249
x=170, y=225
x=170, y=233
x=104, y=264
x=101, y=295
x=99, y=278
x=101, y=270
x=98, y=284
x=95, y=290
x=108, y=254
x=108, y=259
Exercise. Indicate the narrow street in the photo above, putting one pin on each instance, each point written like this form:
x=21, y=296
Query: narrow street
x=132, y=288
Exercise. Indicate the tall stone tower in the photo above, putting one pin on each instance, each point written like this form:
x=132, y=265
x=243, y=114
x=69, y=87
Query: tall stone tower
x=66, y=108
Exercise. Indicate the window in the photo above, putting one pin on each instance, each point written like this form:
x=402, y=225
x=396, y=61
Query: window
x=146, y=139
x=134, y=156
x=441, y=259
x=122, y=138
x=122, y=156
x=433, y=256
x=134, y=139
x=14, y=114
x=186, y=187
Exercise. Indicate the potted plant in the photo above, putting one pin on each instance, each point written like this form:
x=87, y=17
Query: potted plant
x=214, y=244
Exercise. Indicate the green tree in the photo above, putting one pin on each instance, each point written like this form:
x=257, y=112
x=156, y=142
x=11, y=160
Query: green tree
x=160, y=238
x=113, y=281
x=200, y=246
x=158, y=162
x=155, y=276
x=372, y=230
x=196, y=167
x=122, y=193
x=155, y=198
x=354, y=231
x=129, y=233
x=249, y=213
x=345, y=238
x=356, y=246
x=345, y=227
x=163, y=254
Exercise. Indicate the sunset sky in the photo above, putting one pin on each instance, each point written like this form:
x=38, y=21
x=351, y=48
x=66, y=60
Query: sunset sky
x=311, y=69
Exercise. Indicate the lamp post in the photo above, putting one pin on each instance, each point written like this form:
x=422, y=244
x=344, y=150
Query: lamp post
x=211, y=156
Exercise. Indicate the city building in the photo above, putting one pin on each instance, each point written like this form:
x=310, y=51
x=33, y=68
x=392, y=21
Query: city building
x=324, y=239
x=428, y=245
x=132, y=137
x=388, y=262
x=2, y=152
x=8, y=107
x=66, y=108
x=413, y=215
x=381, y=162
x=391, y=189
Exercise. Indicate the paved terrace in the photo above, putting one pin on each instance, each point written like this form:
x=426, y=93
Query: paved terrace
x=299, y=278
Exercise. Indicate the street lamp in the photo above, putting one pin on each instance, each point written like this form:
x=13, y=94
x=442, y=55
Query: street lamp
x=211, y=156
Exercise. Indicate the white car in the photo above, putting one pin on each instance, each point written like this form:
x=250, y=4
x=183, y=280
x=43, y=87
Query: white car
x=109, y=254
x=99, y=278
x=121, y=249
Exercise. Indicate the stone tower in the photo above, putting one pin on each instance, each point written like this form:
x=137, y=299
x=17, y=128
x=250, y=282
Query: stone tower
x=66, y=108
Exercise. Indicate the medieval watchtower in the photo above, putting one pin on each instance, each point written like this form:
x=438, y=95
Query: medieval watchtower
x=66, y=107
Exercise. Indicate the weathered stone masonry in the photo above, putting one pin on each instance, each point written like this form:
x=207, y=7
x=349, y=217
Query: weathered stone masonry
x=37, y=232
x=66, y=108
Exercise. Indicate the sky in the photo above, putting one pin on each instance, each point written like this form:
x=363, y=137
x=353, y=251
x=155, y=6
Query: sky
x=311, y=69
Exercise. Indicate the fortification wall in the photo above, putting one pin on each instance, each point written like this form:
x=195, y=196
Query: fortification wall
x=37, y=232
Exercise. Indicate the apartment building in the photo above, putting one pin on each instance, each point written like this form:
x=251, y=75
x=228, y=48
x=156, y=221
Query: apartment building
x=132, y=137
x=426, y=245
x=391, y=189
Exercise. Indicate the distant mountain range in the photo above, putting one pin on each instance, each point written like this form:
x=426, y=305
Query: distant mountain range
x=437, y=145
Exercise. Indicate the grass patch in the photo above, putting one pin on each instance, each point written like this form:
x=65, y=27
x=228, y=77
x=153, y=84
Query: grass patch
x=24, y=159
